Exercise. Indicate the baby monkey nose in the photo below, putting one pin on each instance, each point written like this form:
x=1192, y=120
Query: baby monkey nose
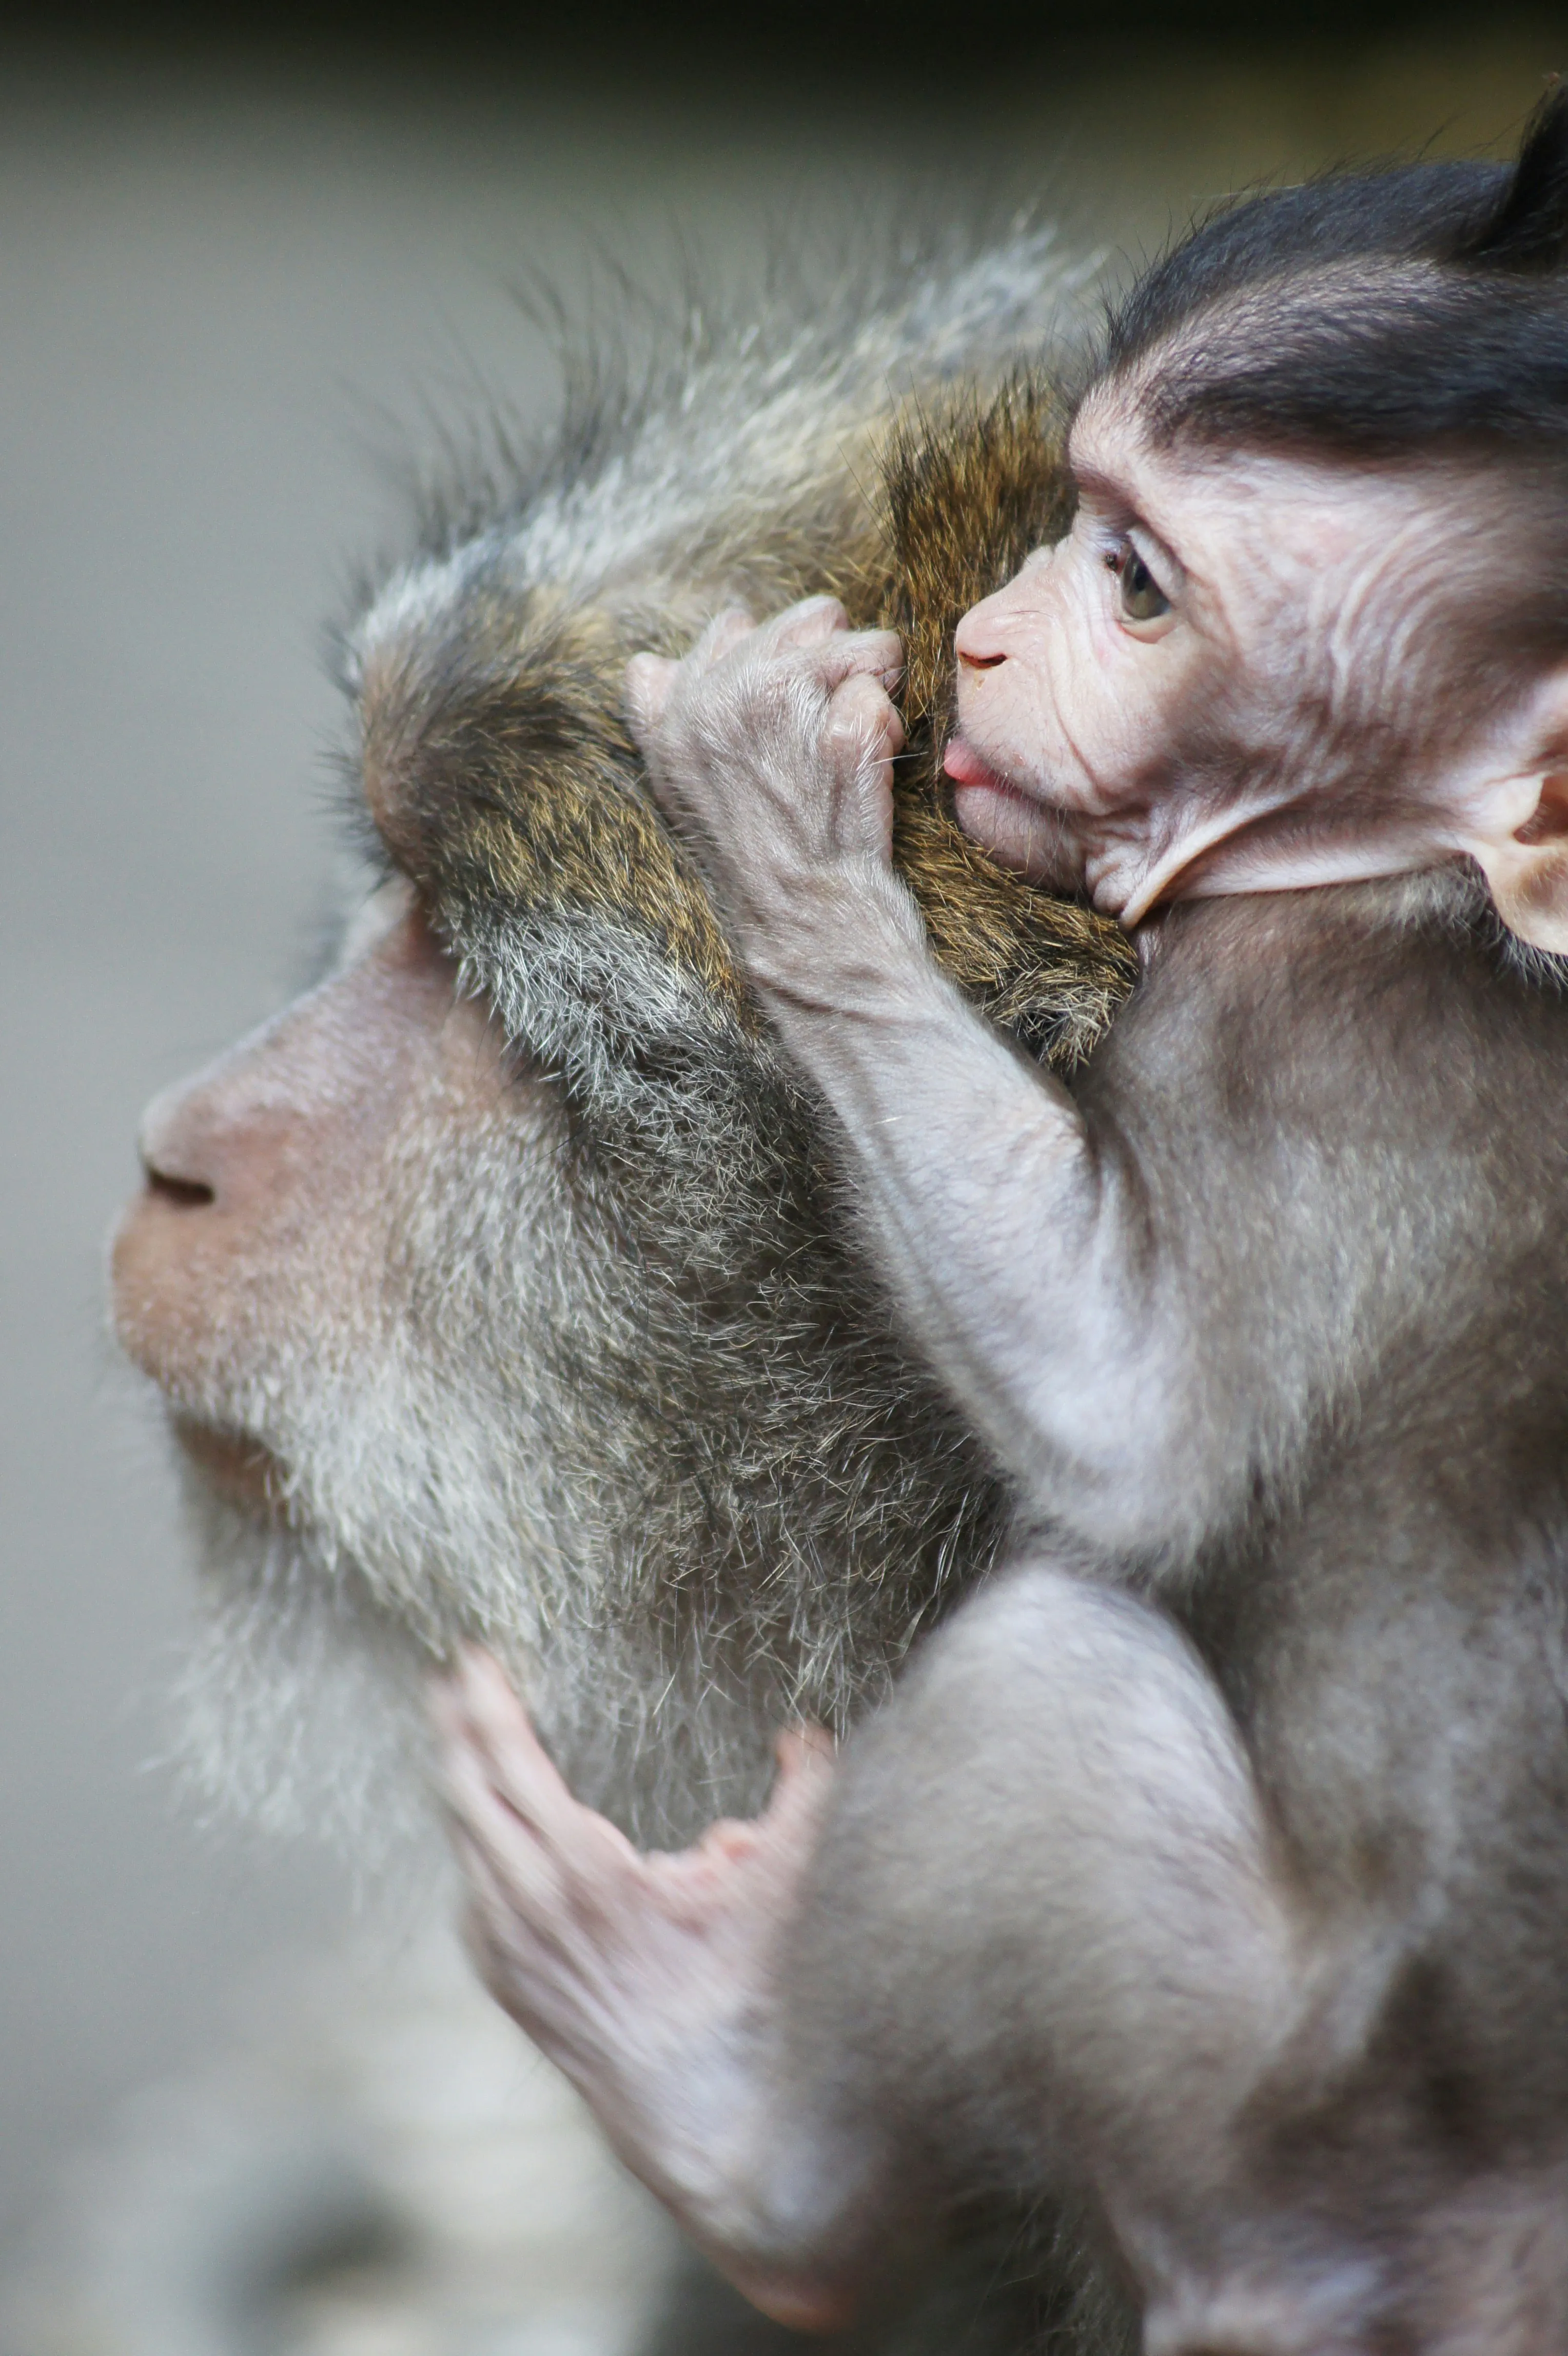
x=974, y=641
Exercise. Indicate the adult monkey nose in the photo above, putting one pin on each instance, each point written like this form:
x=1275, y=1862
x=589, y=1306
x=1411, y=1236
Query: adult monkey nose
x=176, y=1152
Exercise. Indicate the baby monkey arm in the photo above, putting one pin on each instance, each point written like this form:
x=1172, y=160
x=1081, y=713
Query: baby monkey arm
x=1000, y=1225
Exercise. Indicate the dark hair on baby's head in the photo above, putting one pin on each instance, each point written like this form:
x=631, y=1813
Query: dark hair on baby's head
x=1420, y=309
x=1526, y=228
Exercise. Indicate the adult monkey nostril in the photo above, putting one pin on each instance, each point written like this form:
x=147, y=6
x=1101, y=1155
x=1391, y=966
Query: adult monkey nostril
x=185, y=1194
x=979, y=663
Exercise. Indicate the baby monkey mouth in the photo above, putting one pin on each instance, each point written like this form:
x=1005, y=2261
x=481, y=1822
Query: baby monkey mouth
x=1029, y=836
x=965, y=765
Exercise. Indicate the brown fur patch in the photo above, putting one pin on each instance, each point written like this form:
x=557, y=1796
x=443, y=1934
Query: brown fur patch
x=501, y=772
x=968, y=494
x=507, y=775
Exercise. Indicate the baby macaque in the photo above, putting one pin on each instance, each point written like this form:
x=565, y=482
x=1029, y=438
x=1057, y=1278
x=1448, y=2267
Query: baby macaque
x=1212, y=1862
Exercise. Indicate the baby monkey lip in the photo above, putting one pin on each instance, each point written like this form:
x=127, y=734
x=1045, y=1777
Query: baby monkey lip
x=964, y=765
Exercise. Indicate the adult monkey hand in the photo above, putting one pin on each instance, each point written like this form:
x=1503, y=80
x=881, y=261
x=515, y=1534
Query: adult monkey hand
x=653, y=1981
x=772, y=748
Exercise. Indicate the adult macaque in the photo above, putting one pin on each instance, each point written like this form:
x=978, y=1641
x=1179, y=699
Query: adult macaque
x=1215, y=1860
x=501, y=1288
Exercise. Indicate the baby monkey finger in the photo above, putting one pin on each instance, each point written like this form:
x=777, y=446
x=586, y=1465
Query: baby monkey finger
x=861, y=714
x=722, y=635
x=862, y=654
x=813, y=622
x=651, y=680
x=648, y=681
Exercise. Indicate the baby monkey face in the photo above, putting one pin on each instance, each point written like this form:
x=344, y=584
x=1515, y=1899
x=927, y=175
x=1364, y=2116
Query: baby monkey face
x=1075, y=679
x=1238, y=672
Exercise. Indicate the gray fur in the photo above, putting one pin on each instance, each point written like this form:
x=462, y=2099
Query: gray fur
x=625, y=1400
x=632, y=1409
x=1214, y=1857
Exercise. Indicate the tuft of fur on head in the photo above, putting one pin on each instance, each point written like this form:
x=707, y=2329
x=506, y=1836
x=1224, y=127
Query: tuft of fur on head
x=893, y=448
x=636, y=1413
x=1418, y=311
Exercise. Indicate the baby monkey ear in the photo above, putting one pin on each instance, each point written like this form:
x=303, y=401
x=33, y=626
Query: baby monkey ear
x=1522, y=844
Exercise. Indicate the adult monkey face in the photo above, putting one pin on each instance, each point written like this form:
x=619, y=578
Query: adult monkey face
x=272, y=1177
x=496, y=1289
x=347, y=1439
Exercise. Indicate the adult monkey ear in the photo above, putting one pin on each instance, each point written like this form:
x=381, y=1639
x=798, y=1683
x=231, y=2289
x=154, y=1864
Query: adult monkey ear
x=1520, y=834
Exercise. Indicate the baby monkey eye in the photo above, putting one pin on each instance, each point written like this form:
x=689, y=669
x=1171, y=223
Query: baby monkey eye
x=1142, y=599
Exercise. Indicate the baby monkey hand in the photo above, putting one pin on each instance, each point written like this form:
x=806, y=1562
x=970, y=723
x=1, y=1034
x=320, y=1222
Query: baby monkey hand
x=650, y=1980
x=772, y=749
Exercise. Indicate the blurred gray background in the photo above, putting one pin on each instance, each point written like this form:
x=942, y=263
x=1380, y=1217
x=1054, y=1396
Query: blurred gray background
x=230, y=281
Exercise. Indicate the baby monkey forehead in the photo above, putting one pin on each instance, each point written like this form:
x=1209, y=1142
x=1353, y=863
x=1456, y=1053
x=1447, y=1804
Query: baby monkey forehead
x=1249, y=528
x=1109, y=448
